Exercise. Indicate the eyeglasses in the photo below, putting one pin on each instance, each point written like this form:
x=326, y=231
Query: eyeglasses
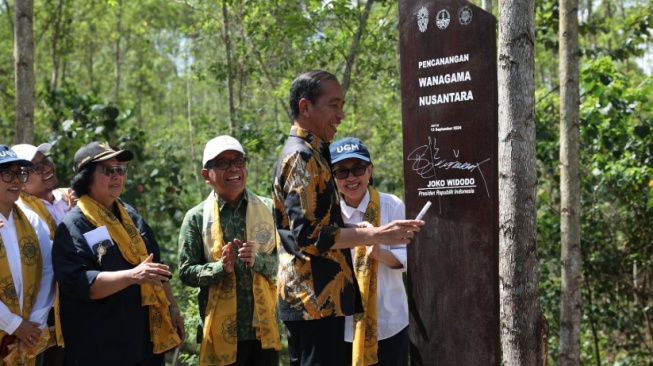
x=39, y=167
x=357, y=171
x=8, y=176
x=224, y=164
x=110, y=169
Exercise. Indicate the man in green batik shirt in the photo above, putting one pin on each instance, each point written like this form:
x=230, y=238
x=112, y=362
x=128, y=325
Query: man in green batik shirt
x=227, y=248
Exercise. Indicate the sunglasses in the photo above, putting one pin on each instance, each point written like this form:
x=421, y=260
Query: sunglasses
x=224, y=164
x=39, y=167
x=111, y=169
x=8, y=176
x=357, y=171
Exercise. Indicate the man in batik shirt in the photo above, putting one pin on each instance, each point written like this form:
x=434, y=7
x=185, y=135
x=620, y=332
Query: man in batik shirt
x=227, y=248
x=316, y=283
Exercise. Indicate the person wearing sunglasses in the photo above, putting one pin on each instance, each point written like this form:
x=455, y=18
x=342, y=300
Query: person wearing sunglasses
x=41, y=194
x=115, y=300
x=26, y=291
x=316, y=283
x=227, y=248
x=379, y=268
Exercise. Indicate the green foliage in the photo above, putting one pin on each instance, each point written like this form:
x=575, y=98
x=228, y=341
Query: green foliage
x=152, y=76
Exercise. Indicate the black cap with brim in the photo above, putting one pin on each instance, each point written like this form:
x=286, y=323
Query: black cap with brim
x=98, y=151
x=8, y=156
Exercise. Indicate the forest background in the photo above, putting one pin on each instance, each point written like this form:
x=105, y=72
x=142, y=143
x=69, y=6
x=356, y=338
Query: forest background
x=162, y=77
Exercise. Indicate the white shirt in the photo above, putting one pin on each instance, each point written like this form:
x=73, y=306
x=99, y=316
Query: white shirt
x=58, y=208
x=392, y=304
x=9, y=322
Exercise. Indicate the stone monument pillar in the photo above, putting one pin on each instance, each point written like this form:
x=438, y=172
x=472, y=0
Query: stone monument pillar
x=449, y=112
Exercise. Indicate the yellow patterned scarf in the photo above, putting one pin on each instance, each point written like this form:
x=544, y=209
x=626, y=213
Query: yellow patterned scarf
x=32, y=269
x=365, y=344
x=37, y=205
x=220, y=338
x=131, y=245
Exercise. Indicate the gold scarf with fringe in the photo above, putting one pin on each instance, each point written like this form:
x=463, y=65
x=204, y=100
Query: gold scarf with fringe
x=32, y=269
x=133, y=249
x=365, y=344
x=219, y=344
x=37, y=205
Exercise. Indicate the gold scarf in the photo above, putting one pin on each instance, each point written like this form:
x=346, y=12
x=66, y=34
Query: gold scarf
x=32, y=270
x=37, y=205
x=219, y=345
x=365, y=343
x=133, y=249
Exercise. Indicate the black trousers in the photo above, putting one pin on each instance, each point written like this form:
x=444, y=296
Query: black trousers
x=250, y=353
x=317, y=342
x=392, y=351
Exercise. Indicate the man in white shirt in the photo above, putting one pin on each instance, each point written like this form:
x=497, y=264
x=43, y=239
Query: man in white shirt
x=42, y=187
x=26, y=244
x=42, y=195
x=352, y=168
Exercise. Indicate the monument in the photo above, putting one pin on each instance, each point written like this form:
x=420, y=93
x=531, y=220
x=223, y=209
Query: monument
x=450, y=113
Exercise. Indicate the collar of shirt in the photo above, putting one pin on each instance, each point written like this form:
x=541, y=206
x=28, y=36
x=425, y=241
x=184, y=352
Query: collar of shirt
x=222, y=202
x=314, y=141
x=349, y=211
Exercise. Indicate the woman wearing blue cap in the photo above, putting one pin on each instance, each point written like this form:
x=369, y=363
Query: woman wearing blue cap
x=26, y=276
x=378, y=268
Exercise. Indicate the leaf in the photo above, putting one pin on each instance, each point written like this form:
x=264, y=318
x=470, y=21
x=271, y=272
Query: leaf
x=642, y=131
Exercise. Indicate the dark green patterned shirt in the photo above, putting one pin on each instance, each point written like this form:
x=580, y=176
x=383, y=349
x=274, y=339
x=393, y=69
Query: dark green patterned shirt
x=196, y=271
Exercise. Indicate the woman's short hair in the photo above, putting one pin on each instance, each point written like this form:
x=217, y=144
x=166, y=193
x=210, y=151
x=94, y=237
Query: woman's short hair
x=81, y=182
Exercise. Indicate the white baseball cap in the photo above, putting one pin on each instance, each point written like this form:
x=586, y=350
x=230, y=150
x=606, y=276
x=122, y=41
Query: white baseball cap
x=218, y=145
x=27, y=151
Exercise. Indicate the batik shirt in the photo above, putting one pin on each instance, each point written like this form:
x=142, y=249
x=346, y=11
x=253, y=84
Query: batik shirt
x=196, y=271
x=314, y=281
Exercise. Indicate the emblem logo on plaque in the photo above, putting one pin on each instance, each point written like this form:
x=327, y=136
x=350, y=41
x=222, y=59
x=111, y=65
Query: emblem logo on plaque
x=465, y=15
x=443, y=19
x=422, y=19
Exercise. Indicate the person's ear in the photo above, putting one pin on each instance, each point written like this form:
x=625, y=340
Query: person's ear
x=205, y=174
x=303, y=106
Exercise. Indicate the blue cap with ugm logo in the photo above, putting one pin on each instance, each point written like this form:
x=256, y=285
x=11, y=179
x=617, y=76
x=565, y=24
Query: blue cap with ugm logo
x=7, y=155
x=349, y=148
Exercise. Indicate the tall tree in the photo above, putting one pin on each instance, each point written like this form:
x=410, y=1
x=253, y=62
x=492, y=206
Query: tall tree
x=523, y=330
x=24, y=69
x=570, y=258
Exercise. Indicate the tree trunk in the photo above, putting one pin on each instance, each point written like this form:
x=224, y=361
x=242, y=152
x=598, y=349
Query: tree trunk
x=24, y=70
x=230, y=73
x=116, y=61
x=353, y=50
x=523, y=327
x=487, y=6
x=58, y=17
x=570, y=302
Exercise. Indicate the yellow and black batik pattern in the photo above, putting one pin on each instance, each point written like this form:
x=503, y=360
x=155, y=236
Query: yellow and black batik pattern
x=314, y=281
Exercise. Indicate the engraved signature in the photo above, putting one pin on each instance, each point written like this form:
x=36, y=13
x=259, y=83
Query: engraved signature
x=426, y=162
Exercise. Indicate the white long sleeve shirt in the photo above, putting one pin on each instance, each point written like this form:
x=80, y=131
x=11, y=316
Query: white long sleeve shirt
x=392, y=304
x=58, y=208
x=9, y=322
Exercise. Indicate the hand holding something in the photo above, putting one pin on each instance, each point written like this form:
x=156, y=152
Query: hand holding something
x=364, y=224
x=149, y=272
x=398, y=231
x=228, y=257
x=247, y=252
x=28, y=333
